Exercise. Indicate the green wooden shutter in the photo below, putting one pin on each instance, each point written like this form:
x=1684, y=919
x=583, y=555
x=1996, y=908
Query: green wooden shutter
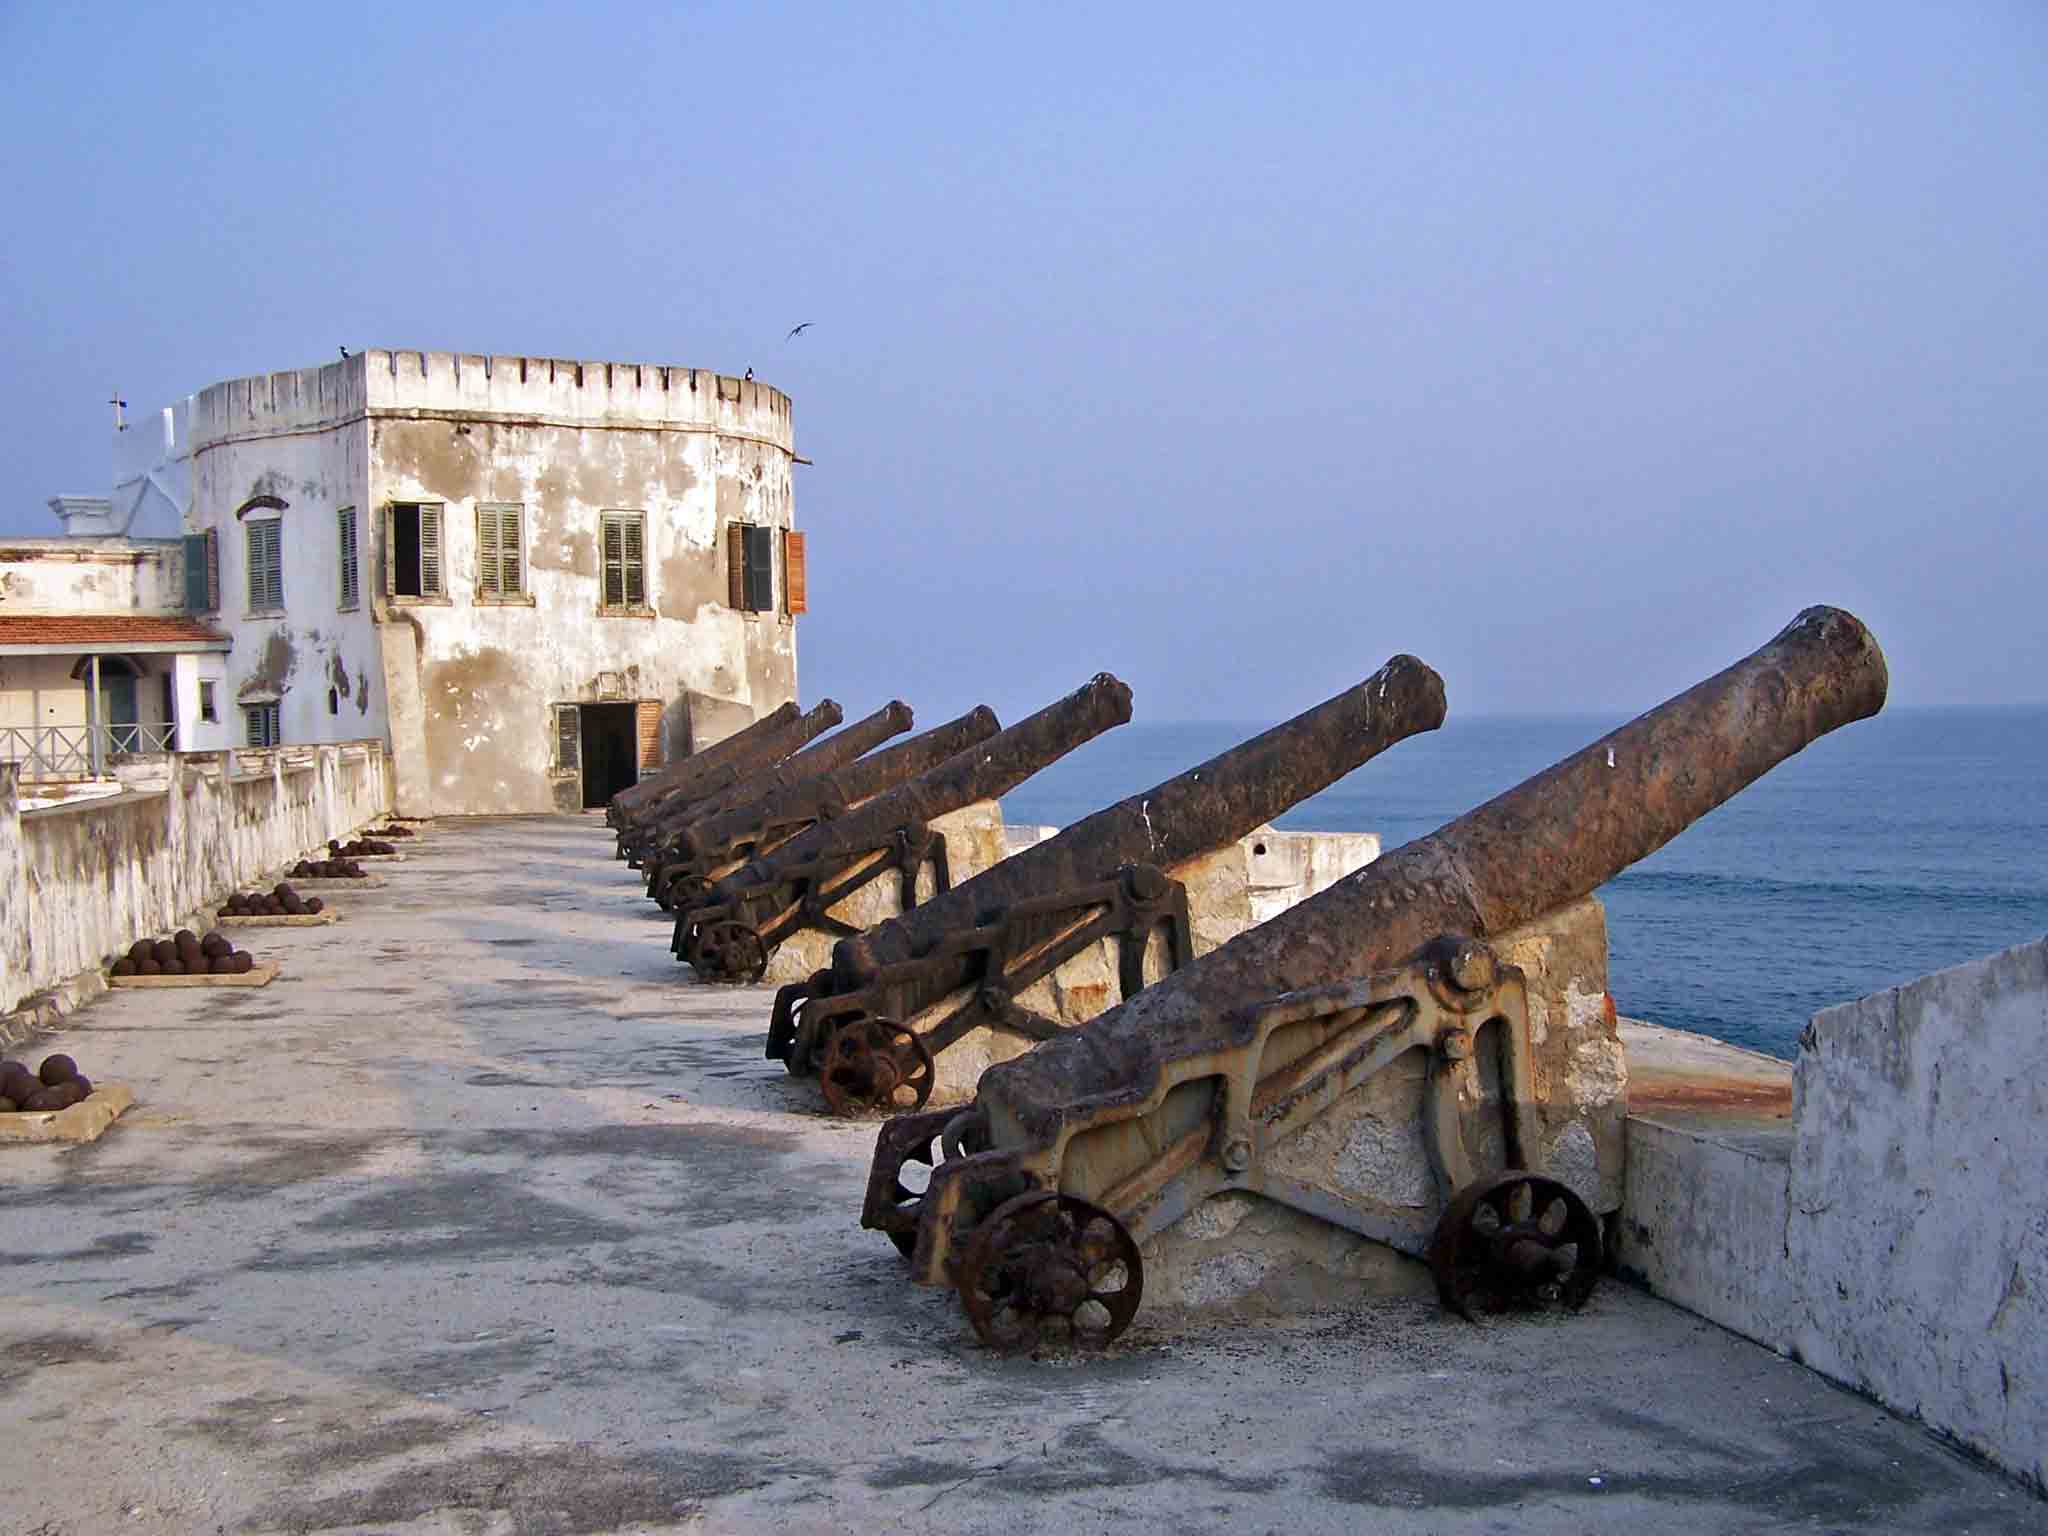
x=198, y=591
x=487, y=576
x=636, y=570
x=568, y=738
x=351, y=571
x=511, y=551
x=614, y=563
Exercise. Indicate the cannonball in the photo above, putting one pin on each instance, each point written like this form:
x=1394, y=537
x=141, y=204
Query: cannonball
x=215, y=945
x=221, y=965
x=83, y=1084
x=244, y=962
x=141, y=950
x=315, y=904
x=172, y=968
x=293, y=905
x=124, y=967
x=183, y=937
x=7, y=1105
x=20, y=1084
x=148, y=967
x=165, y=951
x=42, y=1099
x=56, y=1069
x=69, y=1092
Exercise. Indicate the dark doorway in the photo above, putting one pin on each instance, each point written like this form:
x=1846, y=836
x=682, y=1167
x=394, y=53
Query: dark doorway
x=609, y=752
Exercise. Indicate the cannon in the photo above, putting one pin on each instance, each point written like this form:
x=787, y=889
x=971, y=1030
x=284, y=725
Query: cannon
x=1035, y=1198
x=699, y=780
x=821, y=756
x=729, y=931
x=703, y=851
x=898, y=996
x=628, y=801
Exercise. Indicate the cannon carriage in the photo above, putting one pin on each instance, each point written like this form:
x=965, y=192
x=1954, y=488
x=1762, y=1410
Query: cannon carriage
x=1035, y=1202
x=873, y=1027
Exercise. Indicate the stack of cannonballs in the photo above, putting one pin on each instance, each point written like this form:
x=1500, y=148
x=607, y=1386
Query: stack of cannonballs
x=358, y=848
x=327, y=869
x=185, y=955
x=282, y=901
x=57, y=1084
x=396, y=831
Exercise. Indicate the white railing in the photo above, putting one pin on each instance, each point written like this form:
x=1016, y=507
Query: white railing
x=80, y=751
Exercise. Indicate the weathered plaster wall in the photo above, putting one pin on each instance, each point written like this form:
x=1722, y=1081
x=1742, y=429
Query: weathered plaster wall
x=79, y=883
x=109, y=575
x=290, y=436
x=1916, y=1217
x=1894, y=1237
x=567, y=442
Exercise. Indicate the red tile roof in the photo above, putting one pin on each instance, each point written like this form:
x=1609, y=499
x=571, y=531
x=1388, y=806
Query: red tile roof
x=103, y=629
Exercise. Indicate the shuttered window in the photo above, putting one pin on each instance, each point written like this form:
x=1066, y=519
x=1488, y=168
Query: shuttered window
x=266, y=565
x=796, y=580
x=625, y=569
x=500, y=551
x=351, y=568
x=202, y=572
x=750, y=567
x=568, y=738
x=259, y=724
x=412, y=550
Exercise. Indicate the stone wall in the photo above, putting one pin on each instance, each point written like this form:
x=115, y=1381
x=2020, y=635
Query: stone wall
x=80, y=882
x=1894, y=1236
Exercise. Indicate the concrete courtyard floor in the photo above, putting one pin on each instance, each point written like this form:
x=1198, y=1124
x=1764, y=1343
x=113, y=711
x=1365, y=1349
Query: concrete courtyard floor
x=485, y=1218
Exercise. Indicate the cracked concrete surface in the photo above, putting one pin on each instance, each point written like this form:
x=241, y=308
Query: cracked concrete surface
x=484, y=1218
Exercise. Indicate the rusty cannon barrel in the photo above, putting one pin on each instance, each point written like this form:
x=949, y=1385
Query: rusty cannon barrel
x=1105, y=877
x=1110, y=1132
x=713, y=778
x=821, y=756
x=633, y=797
x=713, y=846
x=730, y=934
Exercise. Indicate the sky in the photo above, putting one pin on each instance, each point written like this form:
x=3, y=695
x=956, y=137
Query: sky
x=1573, y=348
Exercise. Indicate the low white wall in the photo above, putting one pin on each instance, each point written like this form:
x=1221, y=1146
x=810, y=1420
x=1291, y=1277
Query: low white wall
x=81, y=882
x=1895, y=1236
x=1917, y=1217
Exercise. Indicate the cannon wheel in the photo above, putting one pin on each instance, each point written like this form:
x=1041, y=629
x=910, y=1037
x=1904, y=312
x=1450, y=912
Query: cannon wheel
x=1516, y=1240
x=869, y=1064
x=731, y=951
x=1050, y=1269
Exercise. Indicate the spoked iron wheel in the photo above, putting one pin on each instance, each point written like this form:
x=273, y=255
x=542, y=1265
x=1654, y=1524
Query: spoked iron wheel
x=730, y=951
x=1517, y=1240
x=1047, y=1270
x=872, y=1064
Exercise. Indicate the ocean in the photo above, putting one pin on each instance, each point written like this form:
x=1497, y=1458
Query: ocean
x=1894, y=847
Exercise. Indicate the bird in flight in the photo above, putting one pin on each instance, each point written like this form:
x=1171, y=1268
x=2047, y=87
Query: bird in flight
x=798, y=330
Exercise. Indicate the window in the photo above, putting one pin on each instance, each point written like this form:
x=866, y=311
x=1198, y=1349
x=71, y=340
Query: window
x=202, y=572
x=750, y=567
x=266, y=565
x=206, y=702
x=351, y=581
x=500, y=552
x=625, y=569
x=568, y=738
x=260, y=723
x=412, y=544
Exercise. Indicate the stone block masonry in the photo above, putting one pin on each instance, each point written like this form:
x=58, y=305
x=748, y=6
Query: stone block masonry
x=80, y=882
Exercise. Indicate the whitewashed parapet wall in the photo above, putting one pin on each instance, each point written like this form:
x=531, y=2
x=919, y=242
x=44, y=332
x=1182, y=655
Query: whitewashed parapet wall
x=1896, y=1236
x=81, y=882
